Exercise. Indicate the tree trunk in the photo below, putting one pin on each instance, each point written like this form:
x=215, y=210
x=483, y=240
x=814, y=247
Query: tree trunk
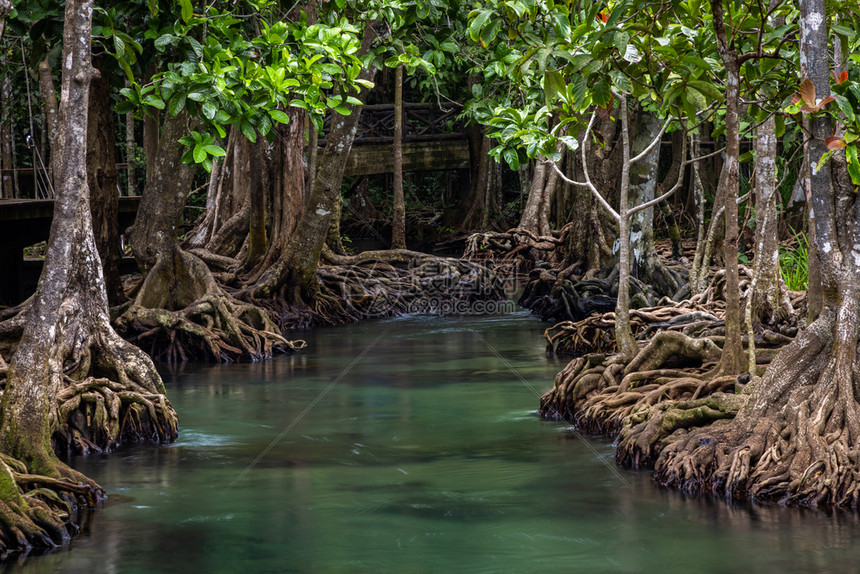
x=102, y=181
x=795, y=440
x=398, y=226
x=769, y=303
x=6, y=143
x=259, y=180
x=130, y=154
x=624, y=340
x=732, y=349
x=49, y=103
x=293, y=277
x=67, y=346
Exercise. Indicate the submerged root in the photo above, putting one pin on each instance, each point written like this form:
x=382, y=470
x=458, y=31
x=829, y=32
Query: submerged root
x=37, y=512
x=215, y=327
x=672, y=384
x=389, y=283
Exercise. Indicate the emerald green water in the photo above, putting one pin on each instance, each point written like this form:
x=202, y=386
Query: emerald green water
x=424, y=456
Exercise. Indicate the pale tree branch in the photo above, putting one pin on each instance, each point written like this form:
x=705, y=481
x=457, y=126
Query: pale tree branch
x=654, y=142
x=587, y=183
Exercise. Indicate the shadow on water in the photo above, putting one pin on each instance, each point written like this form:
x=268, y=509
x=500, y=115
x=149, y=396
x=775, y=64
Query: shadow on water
x=424, y=457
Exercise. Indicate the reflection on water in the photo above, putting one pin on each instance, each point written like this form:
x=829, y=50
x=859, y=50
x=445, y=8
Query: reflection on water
x=424, y=457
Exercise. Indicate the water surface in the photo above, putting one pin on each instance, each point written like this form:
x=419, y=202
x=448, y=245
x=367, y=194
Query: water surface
x=410, y=446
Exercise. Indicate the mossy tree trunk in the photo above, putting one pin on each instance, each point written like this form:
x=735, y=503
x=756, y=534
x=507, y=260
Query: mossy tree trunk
x=796, y=439
x=68, y=347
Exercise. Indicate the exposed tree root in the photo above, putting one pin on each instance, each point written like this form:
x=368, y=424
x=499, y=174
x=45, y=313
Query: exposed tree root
x=37, y=513
x=595, y=333
x=796, y=438
x=215, y=327
x=673, y=383
x=379, y=284
x=514, y=252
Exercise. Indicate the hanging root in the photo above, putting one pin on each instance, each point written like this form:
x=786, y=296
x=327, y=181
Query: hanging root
x=215, y=327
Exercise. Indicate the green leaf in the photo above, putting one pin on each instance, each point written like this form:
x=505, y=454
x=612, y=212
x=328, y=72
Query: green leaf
x=825, y=157
x=553, y=85
x=696, y=98
x=853, y=164
x=279, y=116
x=177, y=102
x=154, y=102
x=199, y=154
x=512, y=157
x=209, y=110
x=215, y=150
x=187, y=12
x=709, y=90
x=478, y=23
x=601, y=93
x=248, y=131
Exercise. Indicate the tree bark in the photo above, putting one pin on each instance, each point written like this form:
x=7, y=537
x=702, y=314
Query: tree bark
x=6, y=143
x=732, y=360
x=67, y=340
x=102, y=181
x=398, y=226
x=49, y=103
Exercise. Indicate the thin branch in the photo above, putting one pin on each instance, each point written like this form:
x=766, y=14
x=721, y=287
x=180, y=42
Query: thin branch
x=669, y=193
x=656, y=141
x=587, y=182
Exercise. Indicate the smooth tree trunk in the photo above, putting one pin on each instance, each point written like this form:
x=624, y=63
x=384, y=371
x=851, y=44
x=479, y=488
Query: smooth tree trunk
x=6, y=142
x=49, y=109
x=398, y=226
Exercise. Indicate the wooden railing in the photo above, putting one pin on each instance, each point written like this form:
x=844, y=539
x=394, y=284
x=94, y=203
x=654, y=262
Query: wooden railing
x=421, y=123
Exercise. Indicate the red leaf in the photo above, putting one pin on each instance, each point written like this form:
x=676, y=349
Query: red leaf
x=843, y=76
x=807, y=92
x=835, y=143
x=824, y=102
x=795, y=98
x=604, y=17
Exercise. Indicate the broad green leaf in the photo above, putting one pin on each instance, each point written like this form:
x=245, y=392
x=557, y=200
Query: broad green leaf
x=853, y=164
x=279, y=116
x=187, y=12
x=709, y=90
x=199, y=154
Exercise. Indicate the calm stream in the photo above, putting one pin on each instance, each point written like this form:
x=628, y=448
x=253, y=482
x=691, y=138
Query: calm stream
x=405, y=446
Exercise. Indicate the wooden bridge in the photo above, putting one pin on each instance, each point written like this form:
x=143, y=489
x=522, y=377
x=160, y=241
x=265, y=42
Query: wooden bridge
x=433, y=140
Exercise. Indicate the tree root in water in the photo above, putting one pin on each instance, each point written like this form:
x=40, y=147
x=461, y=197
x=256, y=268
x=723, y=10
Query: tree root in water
x=215, y=327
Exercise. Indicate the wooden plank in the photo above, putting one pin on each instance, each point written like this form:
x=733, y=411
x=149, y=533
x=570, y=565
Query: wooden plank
x=418, y=156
